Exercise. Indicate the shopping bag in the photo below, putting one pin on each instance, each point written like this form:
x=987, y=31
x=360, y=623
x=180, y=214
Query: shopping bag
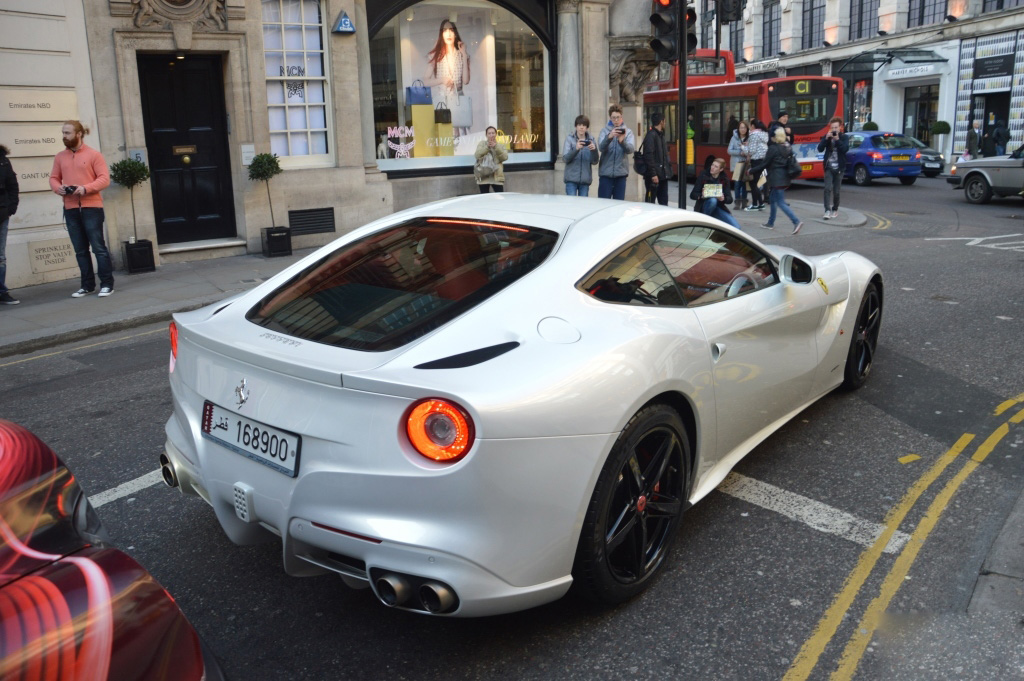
x=444, y=139
x=462, y=112
x=738, y=175
x=425, y=130
x=442, y=114
x=418, y=94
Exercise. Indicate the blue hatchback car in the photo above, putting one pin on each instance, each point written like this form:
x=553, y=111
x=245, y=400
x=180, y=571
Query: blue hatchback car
x=875, y=154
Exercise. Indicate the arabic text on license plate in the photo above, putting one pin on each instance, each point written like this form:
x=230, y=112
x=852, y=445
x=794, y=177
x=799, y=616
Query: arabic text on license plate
x=901, y=158
x=806, y=166
x=269, y=446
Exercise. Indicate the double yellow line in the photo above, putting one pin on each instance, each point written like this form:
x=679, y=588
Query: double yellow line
x=825, y=631
x=883, y=222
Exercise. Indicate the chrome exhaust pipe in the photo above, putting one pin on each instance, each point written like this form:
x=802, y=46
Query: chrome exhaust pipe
x=436, y=597
x=167, y=471
x=393, y=590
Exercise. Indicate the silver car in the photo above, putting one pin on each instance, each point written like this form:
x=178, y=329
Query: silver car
x=980, y=178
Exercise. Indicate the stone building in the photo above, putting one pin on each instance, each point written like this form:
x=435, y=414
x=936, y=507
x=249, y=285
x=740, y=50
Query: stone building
x=348, y=93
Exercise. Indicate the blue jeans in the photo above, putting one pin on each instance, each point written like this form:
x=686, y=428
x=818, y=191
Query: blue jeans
x=778, y=199
x=713, y=208
x=1000, y=150
x=577, y=189
x=3, y=254
x=611, y=187
x=85, y=227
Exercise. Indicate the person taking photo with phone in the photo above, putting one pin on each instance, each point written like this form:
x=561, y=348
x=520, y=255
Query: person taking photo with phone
x=834, y=144
x=616, y=144
x=579, y=153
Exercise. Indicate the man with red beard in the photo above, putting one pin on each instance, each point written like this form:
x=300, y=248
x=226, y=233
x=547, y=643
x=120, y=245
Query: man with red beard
x=79, y=174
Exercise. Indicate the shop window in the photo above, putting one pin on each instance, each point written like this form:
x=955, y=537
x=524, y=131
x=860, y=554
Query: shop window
x=813, y=24
x=863, y=19
x=443, y=73
x=772, y=28
x=297, y=84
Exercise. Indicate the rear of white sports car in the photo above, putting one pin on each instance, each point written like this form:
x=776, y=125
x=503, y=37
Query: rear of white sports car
x=325, y=410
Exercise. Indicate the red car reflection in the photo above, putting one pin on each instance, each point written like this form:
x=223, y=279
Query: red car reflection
x=72, y=608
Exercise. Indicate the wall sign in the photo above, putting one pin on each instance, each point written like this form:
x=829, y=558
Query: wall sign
x=759, y=66
x=51, y=255
x=33, y=174
x=32, y=140
x=343, y=24
x=993, y=67
x=37, y=105
x=912, y=71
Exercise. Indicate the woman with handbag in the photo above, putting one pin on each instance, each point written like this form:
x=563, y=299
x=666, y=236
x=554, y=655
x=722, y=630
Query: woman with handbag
x=448, y=67
x=776, y=162
x=488, y=170
x=739, y=161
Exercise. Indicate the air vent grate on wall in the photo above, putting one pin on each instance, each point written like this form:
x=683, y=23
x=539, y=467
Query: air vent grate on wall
x=311, y=221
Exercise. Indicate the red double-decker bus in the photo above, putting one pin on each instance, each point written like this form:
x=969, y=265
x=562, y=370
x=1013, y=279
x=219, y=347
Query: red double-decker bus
x=714, y=111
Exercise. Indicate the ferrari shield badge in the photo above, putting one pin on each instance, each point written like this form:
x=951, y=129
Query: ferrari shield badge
x=824, y=287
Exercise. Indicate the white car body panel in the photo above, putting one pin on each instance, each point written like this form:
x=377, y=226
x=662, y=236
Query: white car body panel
x=500, y=525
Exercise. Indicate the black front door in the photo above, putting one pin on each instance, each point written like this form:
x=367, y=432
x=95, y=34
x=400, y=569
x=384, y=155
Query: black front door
x=186, y=137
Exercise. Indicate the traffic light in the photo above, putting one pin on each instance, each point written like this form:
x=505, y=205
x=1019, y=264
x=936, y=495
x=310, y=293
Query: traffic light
x=730, y=10
x=691, y=29
x=666, y=30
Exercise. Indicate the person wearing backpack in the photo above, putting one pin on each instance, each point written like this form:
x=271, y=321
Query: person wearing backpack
x=655, y=155
x=779, y=162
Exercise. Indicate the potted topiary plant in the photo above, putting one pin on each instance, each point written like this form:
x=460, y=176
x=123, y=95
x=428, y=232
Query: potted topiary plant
x=138, y=253
x=940, y=129
x=870, y=125
x=276, y=240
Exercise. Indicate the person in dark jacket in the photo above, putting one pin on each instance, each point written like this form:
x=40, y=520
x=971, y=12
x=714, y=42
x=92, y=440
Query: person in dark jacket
x=973, y=148
x=781, y=122
x=775, y=163
x=8, y=207
x=988, y=145
x=579, y=153
x=1000, y=137
x=713, y=192
x=834, y=144
x=656, y=158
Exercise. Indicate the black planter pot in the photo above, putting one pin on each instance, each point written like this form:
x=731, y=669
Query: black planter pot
x=277, y=241
x=138, y=256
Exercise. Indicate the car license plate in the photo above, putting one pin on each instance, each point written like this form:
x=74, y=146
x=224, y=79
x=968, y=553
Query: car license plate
x=806, y=166
x=269, y=446
x=931, y=165
x=901, y=158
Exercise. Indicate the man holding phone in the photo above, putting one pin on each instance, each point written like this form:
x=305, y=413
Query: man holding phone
x=616, y=144
x=834, y=144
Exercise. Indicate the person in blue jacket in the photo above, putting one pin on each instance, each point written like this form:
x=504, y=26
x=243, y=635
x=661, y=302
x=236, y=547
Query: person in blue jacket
x=579, y=153
x=616, y=144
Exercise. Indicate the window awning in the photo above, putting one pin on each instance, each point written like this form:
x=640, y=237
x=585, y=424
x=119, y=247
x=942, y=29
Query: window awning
x=876, y=59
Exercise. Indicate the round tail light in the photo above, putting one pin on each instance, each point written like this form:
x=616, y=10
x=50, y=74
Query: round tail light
x=439, y=430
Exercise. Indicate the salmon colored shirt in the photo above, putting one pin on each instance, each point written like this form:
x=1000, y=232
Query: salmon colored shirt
x=82, y=168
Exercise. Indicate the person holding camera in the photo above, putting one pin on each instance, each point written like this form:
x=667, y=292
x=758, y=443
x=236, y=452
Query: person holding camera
x=834, y=144
x=616, y=144
x=79, y=174
x=579, y=153
x=655, y=150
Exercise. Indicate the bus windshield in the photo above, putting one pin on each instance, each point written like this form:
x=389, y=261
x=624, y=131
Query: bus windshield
x=809, y=103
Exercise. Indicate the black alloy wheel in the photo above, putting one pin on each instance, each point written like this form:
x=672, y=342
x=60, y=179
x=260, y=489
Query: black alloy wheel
x=977, y=190
x=635, y=509
x=865, y=339
x=861, y=176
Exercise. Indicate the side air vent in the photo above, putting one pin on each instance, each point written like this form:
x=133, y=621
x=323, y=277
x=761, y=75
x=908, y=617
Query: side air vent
x=468, y=359
x=311, y=221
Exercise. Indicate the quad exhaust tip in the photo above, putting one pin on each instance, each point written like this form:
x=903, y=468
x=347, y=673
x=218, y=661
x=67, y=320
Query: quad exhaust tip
x=436, y=597
x=393, y=590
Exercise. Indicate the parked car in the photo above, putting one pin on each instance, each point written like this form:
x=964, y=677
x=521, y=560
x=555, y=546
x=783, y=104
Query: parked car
x=882, y=154
x=932, y=162
x=980, y=178
x=474, y=404
x=71, y=606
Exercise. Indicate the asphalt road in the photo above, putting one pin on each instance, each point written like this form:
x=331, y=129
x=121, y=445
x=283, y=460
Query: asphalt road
x=749, y=593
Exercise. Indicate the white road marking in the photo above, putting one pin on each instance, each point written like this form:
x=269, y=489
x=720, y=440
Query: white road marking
x=819, y=516
x=815, y=514
x=130, y=487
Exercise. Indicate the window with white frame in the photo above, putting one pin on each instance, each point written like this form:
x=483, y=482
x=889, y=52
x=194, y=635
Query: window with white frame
x=297, y=86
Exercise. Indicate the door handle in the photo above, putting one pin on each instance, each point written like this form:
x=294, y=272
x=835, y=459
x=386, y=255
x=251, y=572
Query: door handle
x=186, y=159
x=717, y=350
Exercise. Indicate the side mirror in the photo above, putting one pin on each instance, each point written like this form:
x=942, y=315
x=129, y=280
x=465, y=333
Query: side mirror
x=795, y=270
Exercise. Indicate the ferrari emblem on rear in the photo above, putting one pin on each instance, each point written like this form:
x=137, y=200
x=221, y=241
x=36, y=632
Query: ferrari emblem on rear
x=241, y=393
x=821, y=282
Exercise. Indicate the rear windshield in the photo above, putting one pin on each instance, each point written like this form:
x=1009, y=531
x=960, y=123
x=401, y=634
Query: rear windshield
x=891, y=142
x=394, y=286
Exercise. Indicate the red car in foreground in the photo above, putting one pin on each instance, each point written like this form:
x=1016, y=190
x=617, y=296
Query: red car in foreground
x=71, y=607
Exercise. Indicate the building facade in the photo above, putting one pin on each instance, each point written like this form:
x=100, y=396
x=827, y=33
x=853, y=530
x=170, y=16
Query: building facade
x=367, y=106
x=905, y=63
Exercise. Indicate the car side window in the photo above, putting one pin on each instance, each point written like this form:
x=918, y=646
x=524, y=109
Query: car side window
x=855, y=141
x=634, y=276
x=710, y=265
